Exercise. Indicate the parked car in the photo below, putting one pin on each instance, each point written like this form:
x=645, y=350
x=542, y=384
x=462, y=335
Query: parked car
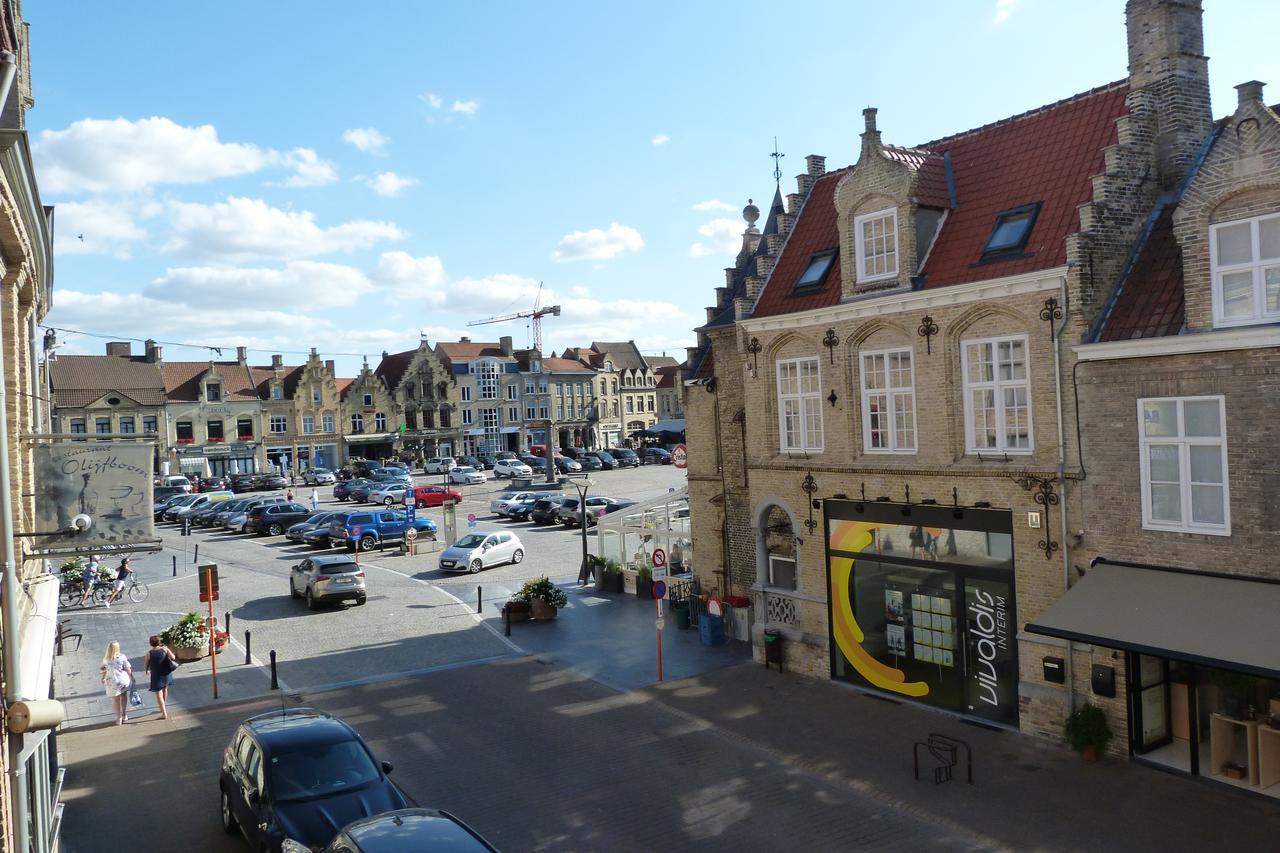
x=203, y=499
x=519, y=511
x=396, y=463
x=500, y=504
x=544, y=510
x=204, y=516
x=590, y=463
x=655, y=456
x=329, y=578
x=426, y=496
x=175, y=480
x=214, y=483
x=626, y=457
x=488, y=460
x=311, y=522
x=214, y=515
x=565, y=465
x=273, y=519
x=477, y=551
x=535, y=463
x=568, y=513
x=265, y=482
x=360, y=494
x=507, y=454
x=243, y=482
x=240, y=507
x=345, y=473
x=298, y=773
x=438, y=465
x=367, y=530
x=319, y=477
x=173, y=505
x=403, y=829
x=511, y=468
x=390, y=494
x=605, y=458
x=467, y=475
x=342, y=490
x=158, y=508
x=572, y=452
x=473, y=461
x=159, y=493
x=240, y=521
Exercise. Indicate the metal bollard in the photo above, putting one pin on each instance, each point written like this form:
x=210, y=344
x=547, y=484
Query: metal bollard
x=246, y=648
x=196, y=557
x=175, y=565
x=479, y=598
x=226, y=623
x=506, y=621
x=275, y=682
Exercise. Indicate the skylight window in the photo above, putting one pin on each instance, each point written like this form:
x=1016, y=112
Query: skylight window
x=819, y=264
x=1013, y=227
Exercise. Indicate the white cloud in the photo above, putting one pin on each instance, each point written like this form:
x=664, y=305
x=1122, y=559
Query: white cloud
x=139, y=316
x=96, y=227
x=101, y=155
x=598, y=244
x=432, y=100
x=300, y=286
x=389, y=184
x=661, y=139
x=713, y=204
x=501, y=293
x=411, y=277
x=242, y=229
x=1004, y=8
x=465, y=107
x=309, y=169
x=458, y=107
x=722, y=237
x=370, y=140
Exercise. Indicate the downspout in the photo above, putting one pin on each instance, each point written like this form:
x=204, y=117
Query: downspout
x=19, y=800
x=1062, y=470
x=724, y=493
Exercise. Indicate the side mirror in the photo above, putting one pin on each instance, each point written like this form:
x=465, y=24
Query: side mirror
x=254, y=795
x=387, y=767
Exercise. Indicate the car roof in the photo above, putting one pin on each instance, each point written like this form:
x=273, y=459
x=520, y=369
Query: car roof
x=331, y=560
x=297, y=727
x=417, y=829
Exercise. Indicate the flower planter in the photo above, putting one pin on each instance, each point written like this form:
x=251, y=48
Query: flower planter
x=615, y=582
x=644, y=588
x=186, y=654
x=601, y=578
x=541, y=611
x=1090, y=754
x=516, y=611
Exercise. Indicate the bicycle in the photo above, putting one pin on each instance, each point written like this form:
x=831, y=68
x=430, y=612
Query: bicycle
x=72, y=593
x=138, y=590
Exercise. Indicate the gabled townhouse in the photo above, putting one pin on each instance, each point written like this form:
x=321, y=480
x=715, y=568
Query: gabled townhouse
x=881, y=410
x=371, y=417
x=301, y=407
x=1175, y=577
x=670, y=388
x=428, y=396
x=626, y=385
x=213, y=417
x=559, y=401
x=488, y=382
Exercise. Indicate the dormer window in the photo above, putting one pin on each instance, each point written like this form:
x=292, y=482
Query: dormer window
x=876, y=242
x=276, y=393
x=816, y=272
x=1013, y=228
x=213, y=392
x=315, y=395
x=1245, y=258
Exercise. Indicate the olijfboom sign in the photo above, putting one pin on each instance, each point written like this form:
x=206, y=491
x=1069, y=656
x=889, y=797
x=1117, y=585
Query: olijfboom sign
x=110, y=482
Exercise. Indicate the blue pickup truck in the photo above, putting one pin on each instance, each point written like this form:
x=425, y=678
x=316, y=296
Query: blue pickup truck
x=368, y=530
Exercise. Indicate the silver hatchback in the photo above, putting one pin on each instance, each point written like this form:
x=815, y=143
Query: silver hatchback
x=329, y=578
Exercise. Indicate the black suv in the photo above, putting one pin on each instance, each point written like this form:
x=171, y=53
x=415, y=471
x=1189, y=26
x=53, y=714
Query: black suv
x=301, y=774
x=626, y=457
x=274, y=519
x=544, y=510
x=606, y=459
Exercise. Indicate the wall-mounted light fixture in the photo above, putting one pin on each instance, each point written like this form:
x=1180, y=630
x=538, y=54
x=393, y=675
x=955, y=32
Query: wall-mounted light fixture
x=754, y=347
x=927, y=330
x=831, y=340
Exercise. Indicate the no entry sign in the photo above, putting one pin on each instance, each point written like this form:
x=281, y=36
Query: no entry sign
x=680, y=456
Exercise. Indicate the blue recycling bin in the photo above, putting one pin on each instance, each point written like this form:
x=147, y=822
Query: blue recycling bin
x=711, y=629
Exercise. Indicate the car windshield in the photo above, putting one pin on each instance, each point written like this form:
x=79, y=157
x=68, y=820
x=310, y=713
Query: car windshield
x=320, y=769
x=471, y=540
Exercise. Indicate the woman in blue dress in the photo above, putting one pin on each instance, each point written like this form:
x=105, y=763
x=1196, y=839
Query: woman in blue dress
x=160, y=664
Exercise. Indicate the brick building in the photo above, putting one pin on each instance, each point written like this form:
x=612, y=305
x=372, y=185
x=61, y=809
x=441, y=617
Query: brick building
x=213, y=417
x=899, y=343
x=302, y=409
x=371, y=417
x=427, y=396
x=488, y=382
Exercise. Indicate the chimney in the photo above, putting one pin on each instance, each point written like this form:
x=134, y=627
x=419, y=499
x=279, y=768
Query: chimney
x=277, y=362
x=816, y=165
x=1169, y=80
x=328, y=367
x=1247, y=93
x=120, y=349
x=464, y=340
x=242, y=355
x=504, y=343
x=870, y=134
x=153, y=352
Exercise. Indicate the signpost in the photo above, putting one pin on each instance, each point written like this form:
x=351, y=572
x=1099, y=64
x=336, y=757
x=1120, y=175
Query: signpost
x=410, y=505
x=680, y=456
x=471, y=519
x=450, y=523
x=659, y=593
x=209, y=592
x=659, y=564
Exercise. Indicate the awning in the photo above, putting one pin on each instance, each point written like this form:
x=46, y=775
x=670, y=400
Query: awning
x=670, y=425
x=37, y=636
x=197, y=464
x=368, y=439
x=1210, y=619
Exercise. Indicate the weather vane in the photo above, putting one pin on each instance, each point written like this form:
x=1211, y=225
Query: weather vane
x=777, y=162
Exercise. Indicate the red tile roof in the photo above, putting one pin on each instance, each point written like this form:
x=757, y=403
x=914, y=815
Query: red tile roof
x=78, y=380
x=467, y=350
x=1150, y=301
x=182, y=379
x=1047, y=155
x=392, y=367
x=564, y=365
x=343, y=386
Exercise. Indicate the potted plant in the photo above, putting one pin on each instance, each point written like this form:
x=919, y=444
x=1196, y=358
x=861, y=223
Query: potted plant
x=516, y=611
x=1087, y=731
x=543, y=598
x=644, y=582
x=186, y=638
x=598, y=572
x=614, y=580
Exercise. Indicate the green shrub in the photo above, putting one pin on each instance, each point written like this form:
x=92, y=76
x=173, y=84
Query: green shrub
x=644, y=573
x=185, y=633
x=1087, y=726
x=544, y=589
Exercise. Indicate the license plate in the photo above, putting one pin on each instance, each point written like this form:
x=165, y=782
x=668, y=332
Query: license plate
x=344, y=580
x=447, y=563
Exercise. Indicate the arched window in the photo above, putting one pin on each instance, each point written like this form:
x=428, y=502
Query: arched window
x=780, y=548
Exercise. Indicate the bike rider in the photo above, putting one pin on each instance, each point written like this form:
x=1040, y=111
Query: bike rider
x=123, y=575
x=88, y=579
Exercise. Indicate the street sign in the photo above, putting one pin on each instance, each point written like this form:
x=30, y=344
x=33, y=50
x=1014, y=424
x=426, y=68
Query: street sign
x=471, y=518
x=209, y=582
x=411, y=534
x=659, y=591
x=659, y=558
x=680, y=456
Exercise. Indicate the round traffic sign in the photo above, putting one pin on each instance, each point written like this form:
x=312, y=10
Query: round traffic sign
x=471, y=517
x=659, y=558
x=680, y=456
x=659, y=589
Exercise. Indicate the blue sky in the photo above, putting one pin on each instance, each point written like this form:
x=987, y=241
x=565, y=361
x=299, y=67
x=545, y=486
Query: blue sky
x=347, y=176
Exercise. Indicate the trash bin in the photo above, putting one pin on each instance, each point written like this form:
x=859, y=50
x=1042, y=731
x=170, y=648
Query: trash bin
x=711, y=629
x=681, y=611
x=773, y=649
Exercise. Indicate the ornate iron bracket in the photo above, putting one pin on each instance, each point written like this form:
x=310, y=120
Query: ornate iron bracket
x=927, y=330
x=1050, y=312
x=809, y=485
x=1046, y=497
x=832, y=398
x=831, y=340
x=754, y=347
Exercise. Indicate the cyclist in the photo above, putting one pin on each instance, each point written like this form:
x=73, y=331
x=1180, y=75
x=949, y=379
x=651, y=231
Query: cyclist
x=88, y=579
x=123, y=575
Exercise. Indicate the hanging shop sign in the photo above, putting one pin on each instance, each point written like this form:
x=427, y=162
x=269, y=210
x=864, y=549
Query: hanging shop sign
x=91, y=495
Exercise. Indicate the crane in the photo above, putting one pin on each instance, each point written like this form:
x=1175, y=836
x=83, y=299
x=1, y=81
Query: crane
x=536, y=315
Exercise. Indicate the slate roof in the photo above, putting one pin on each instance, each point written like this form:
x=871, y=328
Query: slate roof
x=669, y=375
x=657, y=362
x=1047, y=155
x=1150, y=301
x=392, y=368
x=182, y=380
x=263, y=377
x=468, y=350
x=78, y=380
x=623, y=354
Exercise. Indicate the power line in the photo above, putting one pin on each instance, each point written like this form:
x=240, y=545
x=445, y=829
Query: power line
x=210, y=347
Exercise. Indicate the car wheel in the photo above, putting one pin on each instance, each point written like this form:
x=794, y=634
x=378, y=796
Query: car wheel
x=367, y=543
x=387, y=502
x=517, y=556
x=311, y=600
x=475, y=566
x=360, y=602
x=275, y=530
x=228, y=818
x=293, y=593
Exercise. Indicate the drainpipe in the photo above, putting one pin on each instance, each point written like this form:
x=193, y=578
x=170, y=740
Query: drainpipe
x=12, y=663
x=1062, y=457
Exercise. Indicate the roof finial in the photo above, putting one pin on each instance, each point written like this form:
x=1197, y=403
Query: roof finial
x=777, y=162
x=751, y=213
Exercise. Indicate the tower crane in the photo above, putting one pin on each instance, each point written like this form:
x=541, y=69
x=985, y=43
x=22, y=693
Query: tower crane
x=535, y=315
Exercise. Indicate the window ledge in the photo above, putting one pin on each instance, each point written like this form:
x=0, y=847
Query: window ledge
x=1189, y=531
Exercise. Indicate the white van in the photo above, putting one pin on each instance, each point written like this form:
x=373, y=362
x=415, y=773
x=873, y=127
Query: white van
x=439, y=465
x=175, y=480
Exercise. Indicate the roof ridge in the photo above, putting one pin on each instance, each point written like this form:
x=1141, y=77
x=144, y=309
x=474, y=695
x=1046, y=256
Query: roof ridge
x=1097, y=90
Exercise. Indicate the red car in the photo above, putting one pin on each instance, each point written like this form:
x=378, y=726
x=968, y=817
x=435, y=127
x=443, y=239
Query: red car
x=434, y=495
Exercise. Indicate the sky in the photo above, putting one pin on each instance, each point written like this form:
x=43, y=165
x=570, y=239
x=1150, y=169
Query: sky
x=349, y=177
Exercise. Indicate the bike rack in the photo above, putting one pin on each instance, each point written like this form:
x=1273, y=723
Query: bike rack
x=945, y=750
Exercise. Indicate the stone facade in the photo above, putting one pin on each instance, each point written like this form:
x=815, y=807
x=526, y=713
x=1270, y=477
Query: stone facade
x=367, y=403
x=427, y=396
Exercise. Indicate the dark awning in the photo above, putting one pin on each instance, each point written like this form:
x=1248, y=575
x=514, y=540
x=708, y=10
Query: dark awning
x=1211, y=619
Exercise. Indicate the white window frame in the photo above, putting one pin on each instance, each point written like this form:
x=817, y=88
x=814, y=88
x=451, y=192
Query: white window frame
x=513, y=414
x=368, y=400
x=466, y=393
x=860, y=253
x=892, y=394
x=357, y=422
x=380, y=422
x=466, y=417
x=308, y=424
x=513, y=391
x=1184, y=444
x=998, y=386
x=279, y=424
x=530, y=412
x=315, y=395
x=1256, y=265
x=809, y=406
x=795, y=572
x=326, y=423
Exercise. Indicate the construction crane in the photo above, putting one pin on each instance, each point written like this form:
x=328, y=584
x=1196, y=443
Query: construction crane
x=535, y=315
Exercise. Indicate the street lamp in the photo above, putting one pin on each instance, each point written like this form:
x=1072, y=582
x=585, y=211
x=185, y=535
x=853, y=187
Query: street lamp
x=582, y=486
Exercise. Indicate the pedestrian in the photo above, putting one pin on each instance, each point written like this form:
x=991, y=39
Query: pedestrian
x=88, y=579
x=117, y=678
x=315, y=499
x=122, y=580
x=288, y=495
x=160, y=664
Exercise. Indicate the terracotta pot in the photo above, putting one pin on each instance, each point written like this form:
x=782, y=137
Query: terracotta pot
x=1089, y=753
x=186, y=654
x=541, y=610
